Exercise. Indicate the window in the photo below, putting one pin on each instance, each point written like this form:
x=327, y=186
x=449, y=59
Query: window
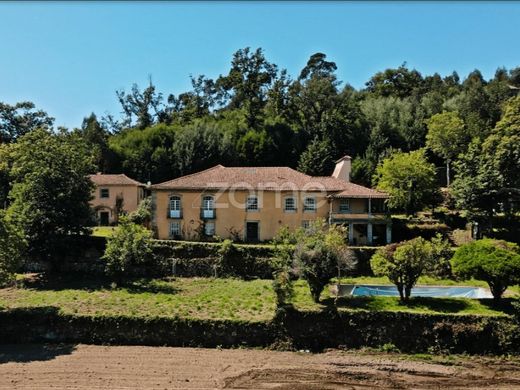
x=208, y=203
x=309, y=204
x=104, y=193
x=175, y=229
x=344, y=206
x=175, y=207
x=208, y=207
x=209, y=229
x=252, y=203
x=306, y=224
x=175, y=203
x=290, y=204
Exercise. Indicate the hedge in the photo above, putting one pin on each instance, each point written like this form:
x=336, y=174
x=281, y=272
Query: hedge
x=403, y=230
x=409, y=332
x=184, y=258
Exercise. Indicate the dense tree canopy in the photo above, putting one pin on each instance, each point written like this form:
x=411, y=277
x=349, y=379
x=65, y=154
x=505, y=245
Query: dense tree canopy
x=50, y=188
x=409, y=179
x=488, y=174
x=20, y=119
x=257, y=114
x=446, y=137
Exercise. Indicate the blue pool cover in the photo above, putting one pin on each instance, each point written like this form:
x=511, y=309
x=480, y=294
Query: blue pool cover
x=423, y=291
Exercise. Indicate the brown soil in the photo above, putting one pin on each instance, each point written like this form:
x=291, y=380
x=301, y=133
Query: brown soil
x=98, y=367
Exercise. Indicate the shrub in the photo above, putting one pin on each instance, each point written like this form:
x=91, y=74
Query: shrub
x=228, y=257
x=441, y=254
x=12, y=247
x=321, y=254
x=403, y=263
x=282, y=262
x=129, y=245
x=494, y=261
x=143, y=214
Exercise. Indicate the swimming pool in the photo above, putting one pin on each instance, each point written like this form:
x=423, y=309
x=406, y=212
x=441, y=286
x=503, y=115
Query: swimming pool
x=366, y=290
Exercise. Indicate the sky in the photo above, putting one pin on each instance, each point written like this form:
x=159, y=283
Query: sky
x=69, y=58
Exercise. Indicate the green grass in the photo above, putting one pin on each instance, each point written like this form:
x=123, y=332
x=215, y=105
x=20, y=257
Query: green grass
x=103, y=231
x=191, y=298
x=303, y=301
x=207, y=298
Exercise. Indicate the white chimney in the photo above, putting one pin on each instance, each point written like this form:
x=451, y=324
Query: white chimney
x=342, y=170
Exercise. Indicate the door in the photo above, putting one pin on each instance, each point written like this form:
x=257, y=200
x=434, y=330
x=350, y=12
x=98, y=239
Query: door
x=252, y=231
x=103, y=218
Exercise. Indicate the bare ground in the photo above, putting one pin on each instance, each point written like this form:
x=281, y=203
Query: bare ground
x=130, y=367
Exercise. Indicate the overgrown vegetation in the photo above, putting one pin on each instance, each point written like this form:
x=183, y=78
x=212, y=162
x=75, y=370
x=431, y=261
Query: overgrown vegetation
x=129, y=246
x=257, y=112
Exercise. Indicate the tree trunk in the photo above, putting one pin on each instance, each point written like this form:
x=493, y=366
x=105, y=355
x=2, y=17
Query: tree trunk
x=447, y=172
x=407, y=292
x=401, y=292
x=496, y=291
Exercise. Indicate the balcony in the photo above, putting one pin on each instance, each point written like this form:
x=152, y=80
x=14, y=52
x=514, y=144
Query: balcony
x=175, y=214
x=207, y=214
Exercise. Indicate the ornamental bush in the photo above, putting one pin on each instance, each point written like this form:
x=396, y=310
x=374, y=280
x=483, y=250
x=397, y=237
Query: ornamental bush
x=404, y=263
x=130, y=245
x=321, y=254
x=496, y=262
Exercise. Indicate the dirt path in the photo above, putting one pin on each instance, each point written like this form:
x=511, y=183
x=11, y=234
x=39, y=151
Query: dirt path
x=96, y=367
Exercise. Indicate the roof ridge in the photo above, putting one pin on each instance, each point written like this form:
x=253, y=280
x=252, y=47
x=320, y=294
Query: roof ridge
x=119, y=175
x=191, y=174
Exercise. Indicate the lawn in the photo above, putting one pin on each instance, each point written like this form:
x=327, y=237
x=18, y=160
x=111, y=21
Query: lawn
x=103, y=231
x=207, y=298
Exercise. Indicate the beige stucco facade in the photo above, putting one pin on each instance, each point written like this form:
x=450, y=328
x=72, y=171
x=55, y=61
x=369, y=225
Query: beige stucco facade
x=253, y=203
x=105, y=197
x=231, y=217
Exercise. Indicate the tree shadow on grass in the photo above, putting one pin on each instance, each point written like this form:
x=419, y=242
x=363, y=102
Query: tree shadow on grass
x=149, y=286
x=73, y=281
x=503, y=305
x=69, y=281
x=420, y=304
x=25, y=353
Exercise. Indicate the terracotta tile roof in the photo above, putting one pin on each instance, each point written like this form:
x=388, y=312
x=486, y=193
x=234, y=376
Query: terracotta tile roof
x=100, y=179
x=263, y=178
x=357, y=191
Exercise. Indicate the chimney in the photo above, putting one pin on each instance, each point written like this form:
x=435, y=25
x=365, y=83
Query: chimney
x=342, y=170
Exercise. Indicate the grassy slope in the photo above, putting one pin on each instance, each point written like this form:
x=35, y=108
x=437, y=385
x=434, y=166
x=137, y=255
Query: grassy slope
x=205, y=299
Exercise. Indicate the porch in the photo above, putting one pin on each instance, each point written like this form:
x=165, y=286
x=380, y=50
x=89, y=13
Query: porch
x=367, y=219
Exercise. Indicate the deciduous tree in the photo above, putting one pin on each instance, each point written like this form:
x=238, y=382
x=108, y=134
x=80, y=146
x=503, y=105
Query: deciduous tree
x=494, y=261
x=409, y=179
x=51, y=188
x=446, y=137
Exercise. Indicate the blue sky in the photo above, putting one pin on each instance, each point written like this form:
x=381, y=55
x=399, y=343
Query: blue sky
x=69, y=58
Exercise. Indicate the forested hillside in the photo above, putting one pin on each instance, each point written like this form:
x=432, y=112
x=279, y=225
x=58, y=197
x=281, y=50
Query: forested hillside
x=463, y=128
